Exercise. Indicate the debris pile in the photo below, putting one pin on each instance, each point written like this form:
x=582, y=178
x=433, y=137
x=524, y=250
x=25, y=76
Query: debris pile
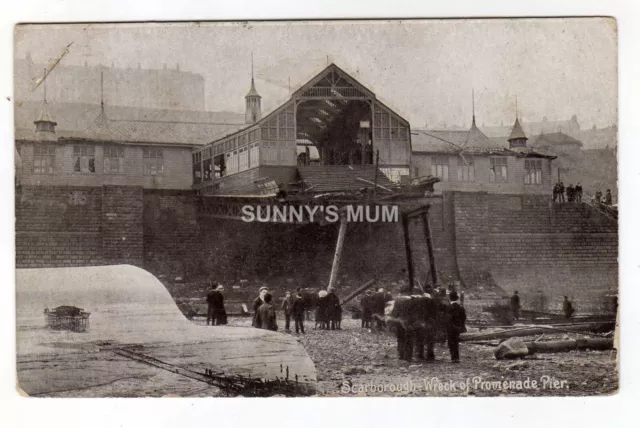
x=67, y=318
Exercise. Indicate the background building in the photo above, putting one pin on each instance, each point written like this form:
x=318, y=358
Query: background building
x=168, y=88
x=557, y=143
x=151, y=154
x=470, y=161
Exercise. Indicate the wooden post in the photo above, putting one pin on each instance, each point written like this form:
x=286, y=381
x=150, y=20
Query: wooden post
x=427, y=238
x=407, y=248
x=358, y=291
x=375, y=178
x=338, y=254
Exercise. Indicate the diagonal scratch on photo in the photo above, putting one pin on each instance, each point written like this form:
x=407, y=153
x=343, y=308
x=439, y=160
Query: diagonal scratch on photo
x=321, y=208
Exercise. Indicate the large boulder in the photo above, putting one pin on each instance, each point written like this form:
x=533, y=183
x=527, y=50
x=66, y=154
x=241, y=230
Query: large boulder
x=511, y=348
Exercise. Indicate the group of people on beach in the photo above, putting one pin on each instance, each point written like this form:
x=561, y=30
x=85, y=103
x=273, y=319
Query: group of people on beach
x=372, y=307
x=515, y=305
x=264, y=313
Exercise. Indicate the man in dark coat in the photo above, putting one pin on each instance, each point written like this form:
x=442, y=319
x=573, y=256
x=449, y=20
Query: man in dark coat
x=608, y=199
x=308, y=300
x=561, y=192
x=598, y=196
x=378, y=302
x=578, y=192
x=515, y=305
x=365, y=306
x=334, y=311
x=210, y=303
x=555, y=192
x=570, y=193
x=266, y=316
x=567, y=308
x=257, y=303
x=219, y=313
x=455, y=326
x=298, y=309
x=286, y=308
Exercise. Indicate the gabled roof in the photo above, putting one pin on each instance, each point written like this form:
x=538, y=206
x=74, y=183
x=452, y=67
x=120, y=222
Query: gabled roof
x=555, y=138
x=331, y=68
x=517, y=132
x=342, y=74
x=45, y=114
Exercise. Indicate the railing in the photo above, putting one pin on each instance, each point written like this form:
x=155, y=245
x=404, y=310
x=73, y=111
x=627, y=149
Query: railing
x=608, y=210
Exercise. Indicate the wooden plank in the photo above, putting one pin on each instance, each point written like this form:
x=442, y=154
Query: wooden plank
x=530, y=331
x=407, y=249
x=338, y=253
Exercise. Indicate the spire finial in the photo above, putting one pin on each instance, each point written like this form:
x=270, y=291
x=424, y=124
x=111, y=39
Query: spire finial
x=44, y=80
x=516, y=107
x=102, y=90
x=473, y=106
x=251, y=66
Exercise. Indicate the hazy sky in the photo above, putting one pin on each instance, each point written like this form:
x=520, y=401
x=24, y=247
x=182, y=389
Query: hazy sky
x=424, y=70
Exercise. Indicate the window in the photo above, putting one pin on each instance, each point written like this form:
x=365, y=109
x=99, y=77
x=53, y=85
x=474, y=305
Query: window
x=381, y=125
x=207, y=169
x=197, y=168
x=254, y=155
x=533, y=171
x=440, y=167
x=232, y=162
x=153, y=161
x=498, y=170
x=84, y=159
x=285, y=125
x=114, y=160
x=466, y=169
x=243, y=162
x=270, y=130
x=398, y=130
x=44, y=159
x=219, y=169
x=270, y=153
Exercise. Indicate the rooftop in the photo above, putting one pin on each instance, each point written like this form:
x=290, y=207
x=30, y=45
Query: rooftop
x=517, y=132
x=442, y=141
x=554, y=138
x=143, y=131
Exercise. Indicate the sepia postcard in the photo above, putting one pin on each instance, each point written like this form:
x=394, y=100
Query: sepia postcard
x=259, y=209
